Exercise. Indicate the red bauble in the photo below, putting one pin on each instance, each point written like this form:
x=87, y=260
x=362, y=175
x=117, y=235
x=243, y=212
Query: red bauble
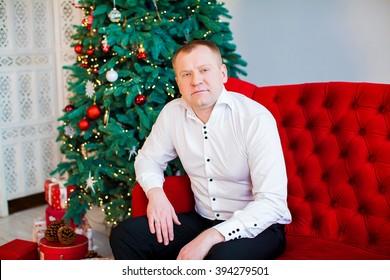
x=140, y=99
x=84, y=63
x=93, y=112
x=69, y=108
x=78, y=48
x=141, y=53
x=106, y=48
x=90, y=51
x=95, y=70
x=83, y=124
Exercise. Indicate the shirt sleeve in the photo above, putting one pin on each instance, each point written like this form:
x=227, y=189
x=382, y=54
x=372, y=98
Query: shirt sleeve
x=269, y=181
x=152, y=159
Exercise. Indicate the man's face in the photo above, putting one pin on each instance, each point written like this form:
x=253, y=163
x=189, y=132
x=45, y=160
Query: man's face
x=200, y=77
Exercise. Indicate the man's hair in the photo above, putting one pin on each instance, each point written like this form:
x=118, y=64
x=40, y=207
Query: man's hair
x=188, y=47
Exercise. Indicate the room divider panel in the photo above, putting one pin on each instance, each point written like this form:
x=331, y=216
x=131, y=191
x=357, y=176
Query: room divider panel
x=34, y=46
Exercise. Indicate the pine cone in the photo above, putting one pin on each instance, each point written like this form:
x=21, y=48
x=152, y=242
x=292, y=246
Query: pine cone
x=51, y=232
x=91, y=254
x=66, y=235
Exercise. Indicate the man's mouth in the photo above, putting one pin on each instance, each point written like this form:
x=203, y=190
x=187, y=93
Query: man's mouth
x=198, y=91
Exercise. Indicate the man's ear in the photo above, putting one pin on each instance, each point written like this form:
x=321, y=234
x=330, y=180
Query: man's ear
x=224, y=73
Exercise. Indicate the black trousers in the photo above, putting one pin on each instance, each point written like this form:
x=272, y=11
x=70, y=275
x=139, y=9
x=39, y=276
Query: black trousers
x=132, y=240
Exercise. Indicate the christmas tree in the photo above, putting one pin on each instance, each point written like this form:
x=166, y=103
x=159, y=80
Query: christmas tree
x=122, y=78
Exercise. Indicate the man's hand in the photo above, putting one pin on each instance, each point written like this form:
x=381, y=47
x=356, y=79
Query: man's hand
x=198, y=248
x=161, y=215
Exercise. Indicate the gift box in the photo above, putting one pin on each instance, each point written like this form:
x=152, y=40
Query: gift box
x=19, y=249
x=56, y=194
x=86, y=230
x=53, y=214
x=57, y=251
x=38, y=229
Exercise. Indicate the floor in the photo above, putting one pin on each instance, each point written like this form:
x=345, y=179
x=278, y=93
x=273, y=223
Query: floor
x=19, y=225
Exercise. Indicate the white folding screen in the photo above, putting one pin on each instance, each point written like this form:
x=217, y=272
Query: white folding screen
x=34, y=46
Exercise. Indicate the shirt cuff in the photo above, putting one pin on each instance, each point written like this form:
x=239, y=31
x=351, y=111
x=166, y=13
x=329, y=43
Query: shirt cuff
x=231, y=229
x=151, y=181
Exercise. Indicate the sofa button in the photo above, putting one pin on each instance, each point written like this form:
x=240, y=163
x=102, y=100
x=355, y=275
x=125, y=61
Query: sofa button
x=381, y=189
x=372, y=239
x=327, y=104
x=362, y=131
x=362, y=210
x=371, y=158
x=335, y=129
x=293, y=145
x=343, y=154
x=317, y=150
x=382, y=110
x=309, y=126
x=355, y=105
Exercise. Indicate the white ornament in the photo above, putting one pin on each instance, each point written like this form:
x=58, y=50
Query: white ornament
x=132, y=152
x=90, y=182
x=112, y=75
x=114, y=15
x=69, y=131
x=89, y=89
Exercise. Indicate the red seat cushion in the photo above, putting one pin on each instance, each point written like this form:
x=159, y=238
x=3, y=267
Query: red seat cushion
x=243, y=87
x=177, y=189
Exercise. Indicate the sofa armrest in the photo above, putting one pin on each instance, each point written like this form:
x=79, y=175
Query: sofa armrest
x=177, y=189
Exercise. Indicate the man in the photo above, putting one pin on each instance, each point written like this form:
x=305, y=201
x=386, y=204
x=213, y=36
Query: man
x=230, y=148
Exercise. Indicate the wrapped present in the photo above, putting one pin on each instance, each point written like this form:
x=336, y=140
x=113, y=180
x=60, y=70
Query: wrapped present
x=57, y=251
x=53, y=214
x=56, y=194
x=38, y=229
x=86, y=230
x=19, y=249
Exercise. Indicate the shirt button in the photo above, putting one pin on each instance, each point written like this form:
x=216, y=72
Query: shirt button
x=255, y=225
x=205, y=137
x=208, y=160
x=214, y=199
x=211, y=180
x=217, y=215
x=204, y=127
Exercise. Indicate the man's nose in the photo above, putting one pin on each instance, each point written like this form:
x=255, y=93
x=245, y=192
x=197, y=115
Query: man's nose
x=196, y=79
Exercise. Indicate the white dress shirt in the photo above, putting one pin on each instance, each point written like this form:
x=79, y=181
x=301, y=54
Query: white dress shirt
x=234, y=161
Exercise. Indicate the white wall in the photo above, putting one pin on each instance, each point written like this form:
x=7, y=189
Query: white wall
x=296, y=41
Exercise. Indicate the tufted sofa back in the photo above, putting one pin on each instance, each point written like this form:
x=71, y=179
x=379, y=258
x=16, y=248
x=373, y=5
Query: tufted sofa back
x=336, y=143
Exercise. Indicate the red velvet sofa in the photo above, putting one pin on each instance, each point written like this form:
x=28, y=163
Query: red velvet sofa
x=336, y=143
